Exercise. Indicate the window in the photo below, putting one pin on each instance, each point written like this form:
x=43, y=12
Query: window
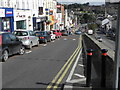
x=21, y=24
x=6, y=38
x=20, y=33
x=12, y=37
x=32, y=33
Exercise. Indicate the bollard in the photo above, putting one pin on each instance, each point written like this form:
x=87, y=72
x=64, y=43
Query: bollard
x=89, y=57
x=103, y=67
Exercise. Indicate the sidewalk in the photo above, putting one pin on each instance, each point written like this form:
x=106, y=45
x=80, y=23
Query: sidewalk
x=77, y=79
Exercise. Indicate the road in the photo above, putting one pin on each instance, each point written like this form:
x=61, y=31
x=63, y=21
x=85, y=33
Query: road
x=107, y=41
x=42, y=66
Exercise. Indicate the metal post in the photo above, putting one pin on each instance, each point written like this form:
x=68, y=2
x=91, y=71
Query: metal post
x=89, y=57
x=103, y=68
x=117, y=53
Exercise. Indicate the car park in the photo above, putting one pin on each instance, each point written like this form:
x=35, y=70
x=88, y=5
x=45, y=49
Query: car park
x=9, y=45
x=27, y=37
x=44, y=36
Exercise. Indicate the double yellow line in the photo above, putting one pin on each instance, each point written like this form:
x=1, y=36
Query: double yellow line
x=57, y=80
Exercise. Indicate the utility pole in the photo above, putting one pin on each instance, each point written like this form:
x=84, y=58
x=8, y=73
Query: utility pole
x=117, y=51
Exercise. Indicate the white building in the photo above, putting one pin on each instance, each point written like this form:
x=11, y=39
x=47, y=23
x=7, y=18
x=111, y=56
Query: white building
x=23, y=12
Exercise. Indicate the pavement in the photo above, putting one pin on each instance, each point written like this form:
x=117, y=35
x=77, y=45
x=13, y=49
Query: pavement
x=77, y=78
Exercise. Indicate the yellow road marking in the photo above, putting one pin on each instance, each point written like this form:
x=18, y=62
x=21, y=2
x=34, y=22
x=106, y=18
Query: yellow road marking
x=56, y=77
x=64, y=73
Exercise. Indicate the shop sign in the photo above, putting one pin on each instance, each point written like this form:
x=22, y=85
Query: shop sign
x=58, y=6
x=2, y=12
x=8, y=12
x=46, y=9
x=20, y=15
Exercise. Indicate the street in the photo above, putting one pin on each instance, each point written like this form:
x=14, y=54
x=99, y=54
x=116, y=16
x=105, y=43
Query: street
x=39, y=66
x=107, y=41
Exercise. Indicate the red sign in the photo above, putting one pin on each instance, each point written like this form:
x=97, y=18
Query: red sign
x=58, y=6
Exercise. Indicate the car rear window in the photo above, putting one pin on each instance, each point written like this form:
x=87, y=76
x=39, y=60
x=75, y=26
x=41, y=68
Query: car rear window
x=40, y=33
x=20, y=33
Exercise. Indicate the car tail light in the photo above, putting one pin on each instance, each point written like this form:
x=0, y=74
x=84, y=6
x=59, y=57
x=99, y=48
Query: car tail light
x=41, y=37
x=26, y=38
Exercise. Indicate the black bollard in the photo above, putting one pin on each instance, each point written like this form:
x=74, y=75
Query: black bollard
x=103, y=68
x=89, y=57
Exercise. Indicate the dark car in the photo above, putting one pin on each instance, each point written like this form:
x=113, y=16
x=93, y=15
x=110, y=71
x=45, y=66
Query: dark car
x=10, y=45
x=44, y=36
x=64, y=33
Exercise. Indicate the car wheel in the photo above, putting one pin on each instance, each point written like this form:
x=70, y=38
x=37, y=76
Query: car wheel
x=5, y=55
x=37, y=43
x=22, y=50
x=45, y=41
x=50, y=40
x=30, y=46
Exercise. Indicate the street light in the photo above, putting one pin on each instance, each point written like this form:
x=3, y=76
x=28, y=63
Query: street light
x=117, y=47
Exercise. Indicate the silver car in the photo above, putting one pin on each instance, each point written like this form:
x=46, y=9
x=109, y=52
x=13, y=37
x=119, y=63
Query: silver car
x=27, y=37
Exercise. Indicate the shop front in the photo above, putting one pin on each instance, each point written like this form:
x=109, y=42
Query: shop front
x=7, y=19
x=39, y=23
x=23, y=20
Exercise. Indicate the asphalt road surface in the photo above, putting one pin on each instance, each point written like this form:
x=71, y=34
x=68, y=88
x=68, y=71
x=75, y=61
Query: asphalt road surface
x=41, y=66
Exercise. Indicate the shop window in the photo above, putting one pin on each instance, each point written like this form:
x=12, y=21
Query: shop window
x=21, y=24
x=6, y=23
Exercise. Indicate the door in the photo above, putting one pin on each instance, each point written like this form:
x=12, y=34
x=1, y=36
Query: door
x=16, y=44
x=33, y=38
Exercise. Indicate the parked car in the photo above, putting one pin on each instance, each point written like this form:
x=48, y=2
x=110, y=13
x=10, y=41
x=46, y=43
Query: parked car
x=52, y=35
x=44, y=36
x=56, y=33
x=98, y=38
x=64, y=33
x=90, y=32
x=9, y=45
x=59, y=33
x=78, y=32
x=27, y=37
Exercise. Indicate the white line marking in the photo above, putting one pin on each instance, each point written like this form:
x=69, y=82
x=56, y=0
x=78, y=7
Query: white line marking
x=77, y=80
x=65, y=38
x=81, y=65
x=81, y=76
x=67, y=86
x=28, y=52
x=45, y=45
x=74, y=39
x=73, y=69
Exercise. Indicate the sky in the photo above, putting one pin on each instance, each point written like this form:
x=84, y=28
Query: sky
x=83, y=1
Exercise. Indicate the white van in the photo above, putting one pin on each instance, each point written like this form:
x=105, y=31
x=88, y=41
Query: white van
x=90, y=32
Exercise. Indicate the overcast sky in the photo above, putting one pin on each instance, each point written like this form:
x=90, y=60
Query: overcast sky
x=81, y=1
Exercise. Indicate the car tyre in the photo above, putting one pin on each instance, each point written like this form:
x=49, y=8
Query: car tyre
x=30, y=46
x=37, y=43
x=22, y=50
x=5, y=55
x=45, y=41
